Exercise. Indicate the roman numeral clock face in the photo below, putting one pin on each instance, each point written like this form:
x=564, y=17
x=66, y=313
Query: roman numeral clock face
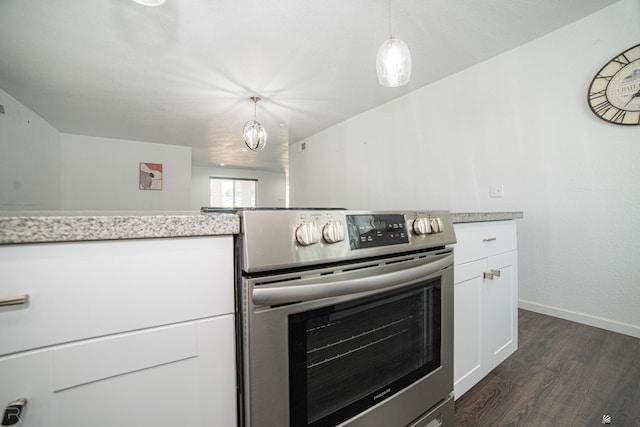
x=614, y=94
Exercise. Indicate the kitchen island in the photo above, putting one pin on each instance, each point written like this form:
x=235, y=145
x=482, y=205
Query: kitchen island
x=112, y=318
x=126, y=315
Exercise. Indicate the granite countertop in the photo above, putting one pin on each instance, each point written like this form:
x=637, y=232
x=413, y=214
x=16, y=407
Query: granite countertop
x=108, y=226
x=79, y=226
x=459, y=217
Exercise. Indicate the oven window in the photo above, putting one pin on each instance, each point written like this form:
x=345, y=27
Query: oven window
x=346, y=358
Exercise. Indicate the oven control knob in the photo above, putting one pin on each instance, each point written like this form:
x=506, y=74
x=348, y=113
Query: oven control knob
x=307, y=234
x=333, y=232
x=421, y=226
x=436, y=225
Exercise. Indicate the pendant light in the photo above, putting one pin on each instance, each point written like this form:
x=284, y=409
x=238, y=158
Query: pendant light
x=253, y=133
x=393, y=62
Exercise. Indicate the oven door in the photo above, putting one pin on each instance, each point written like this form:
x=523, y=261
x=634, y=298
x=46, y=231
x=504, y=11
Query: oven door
x=367, y=343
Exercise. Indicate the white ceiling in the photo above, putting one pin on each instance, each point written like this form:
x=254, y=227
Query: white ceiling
x=182, y=73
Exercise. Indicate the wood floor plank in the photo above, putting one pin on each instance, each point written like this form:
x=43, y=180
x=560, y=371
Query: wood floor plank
x=563, y=374
x=616, y=381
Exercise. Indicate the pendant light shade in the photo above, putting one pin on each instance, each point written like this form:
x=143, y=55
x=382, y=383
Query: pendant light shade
x=253, y=133
x=393, y=62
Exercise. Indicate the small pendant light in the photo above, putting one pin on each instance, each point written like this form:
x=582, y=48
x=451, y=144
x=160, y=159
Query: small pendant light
x=393, y=62
x=253, y=133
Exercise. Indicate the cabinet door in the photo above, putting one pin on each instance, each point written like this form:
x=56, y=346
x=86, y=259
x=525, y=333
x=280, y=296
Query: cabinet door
x=177, y=375
x=501, y=309
x=468, y=331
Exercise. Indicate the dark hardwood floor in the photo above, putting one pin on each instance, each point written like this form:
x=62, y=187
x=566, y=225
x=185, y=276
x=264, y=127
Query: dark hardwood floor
x=563, y=374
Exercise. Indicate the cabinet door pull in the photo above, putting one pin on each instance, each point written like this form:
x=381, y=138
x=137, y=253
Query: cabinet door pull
x=496, y=273
x=488, y=276
x=13, y=412
x=489, y=239
x=19, y=300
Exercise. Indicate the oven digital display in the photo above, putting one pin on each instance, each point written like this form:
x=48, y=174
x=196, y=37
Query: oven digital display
x=370, y=231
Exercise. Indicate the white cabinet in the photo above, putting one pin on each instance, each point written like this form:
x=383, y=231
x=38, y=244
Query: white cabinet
x=126, y=333
x=486, y=300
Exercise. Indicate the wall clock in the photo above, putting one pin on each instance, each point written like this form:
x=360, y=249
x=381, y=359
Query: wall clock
x=614, y=93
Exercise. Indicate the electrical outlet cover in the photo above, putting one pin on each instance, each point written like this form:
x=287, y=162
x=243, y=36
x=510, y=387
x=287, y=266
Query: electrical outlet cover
x=496, y=191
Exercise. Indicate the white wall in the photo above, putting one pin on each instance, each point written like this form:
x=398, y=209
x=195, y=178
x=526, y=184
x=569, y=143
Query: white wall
x=44, y=170
x=270, y=189
x=520, y=120
x=103, y=174
x=29, y=159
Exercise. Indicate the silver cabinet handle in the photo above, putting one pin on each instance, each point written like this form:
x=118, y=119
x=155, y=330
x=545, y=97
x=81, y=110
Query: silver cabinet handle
x=489, y=239
x=492, y=274
x=19, y=300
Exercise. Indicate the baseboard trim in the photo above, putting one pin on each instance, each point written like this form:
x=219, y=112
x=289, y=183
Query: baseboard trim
x=598, y=322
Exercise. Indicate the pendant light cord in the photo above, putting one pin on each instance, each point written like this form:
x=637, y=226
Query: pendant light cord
x=390, y=29
x=255, y=100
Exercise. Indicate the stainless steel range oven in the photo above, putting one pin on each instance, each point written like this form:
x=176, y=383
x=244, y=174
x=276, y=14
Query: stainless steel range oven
x=345, y=318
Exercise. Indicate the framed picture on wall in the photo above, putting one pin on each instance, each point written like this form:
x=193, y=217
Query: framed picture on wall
x=150, y=176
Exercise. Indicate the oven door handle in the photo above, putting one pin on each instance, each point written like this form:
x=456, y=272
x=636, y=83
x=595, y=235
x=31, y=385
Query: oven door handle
x=298, y=293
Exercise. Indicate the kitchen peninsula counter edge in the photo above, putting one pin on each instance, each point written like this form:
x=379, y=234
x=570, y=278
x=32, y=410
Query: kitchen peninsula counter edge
x=89, y=227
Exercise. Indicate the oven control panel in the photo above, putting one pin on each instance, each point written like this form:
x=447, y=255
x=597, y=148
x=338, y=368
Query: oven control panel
x=275, y=239
x=375, y=230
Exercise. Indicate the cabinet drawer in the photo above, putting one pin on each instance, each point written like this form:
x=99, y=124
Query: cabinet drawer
x=88, y=289
x=180, y=375
x=175, y=375
x=478, y=240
